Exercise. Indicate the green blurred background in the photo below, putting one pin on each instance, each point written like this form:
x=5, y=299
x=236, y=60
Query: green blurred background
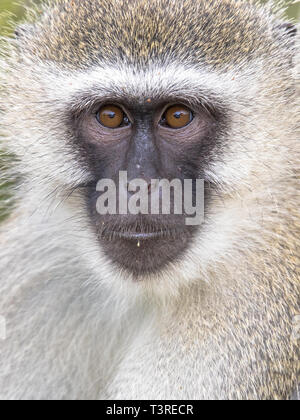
x=13, y=10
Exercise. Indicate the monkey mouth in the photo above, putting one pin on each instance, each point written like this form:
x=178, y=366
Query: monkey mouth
x=138, y=234
x=141, y=244
x=142, y=235
x=143, y=248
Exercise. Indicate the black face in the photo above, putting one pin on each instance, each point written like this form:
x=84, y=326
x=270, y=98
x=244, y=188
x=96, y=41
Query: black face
x=153, y=141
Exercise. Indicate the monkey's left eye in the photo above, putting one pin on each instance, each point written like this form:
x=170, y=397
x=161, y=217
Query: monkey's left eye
x=177, y=116
x=112, y=116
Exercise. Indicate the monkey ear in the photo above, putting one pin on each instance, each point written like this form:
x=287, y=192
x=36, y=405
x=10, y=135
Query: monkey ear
x=23, y=30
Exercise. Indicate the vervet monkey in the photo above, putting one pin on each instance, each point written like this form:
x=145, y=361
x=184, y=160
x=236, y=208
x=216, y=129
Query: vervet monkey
x=143, y=306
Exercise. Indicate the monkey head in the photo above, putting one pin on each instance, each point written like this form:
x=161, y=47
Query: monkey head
x=161, y=90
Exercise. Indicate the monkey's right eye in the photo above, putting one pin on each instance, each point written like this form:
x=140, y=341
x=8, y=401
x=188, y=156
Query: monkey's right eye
x=111, y=116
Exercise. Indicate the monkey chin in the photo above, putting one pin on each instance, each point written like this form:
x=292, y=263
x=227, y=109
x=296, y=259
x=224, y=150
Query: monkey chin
x=143, y=247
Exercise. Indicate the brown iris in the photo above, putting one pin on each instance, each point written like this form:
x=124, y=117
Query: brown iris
x=178, y=116
x=111, y=116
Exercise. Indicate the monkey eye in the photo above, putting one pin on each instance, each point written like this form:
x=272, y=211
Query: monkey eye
x=177, y=116
x=112, y=116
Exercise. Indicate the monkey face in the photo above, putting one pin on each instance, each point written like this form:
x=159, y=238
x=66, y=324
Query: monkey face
x=151, y=141
x=186, y=104
x=78, y=144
